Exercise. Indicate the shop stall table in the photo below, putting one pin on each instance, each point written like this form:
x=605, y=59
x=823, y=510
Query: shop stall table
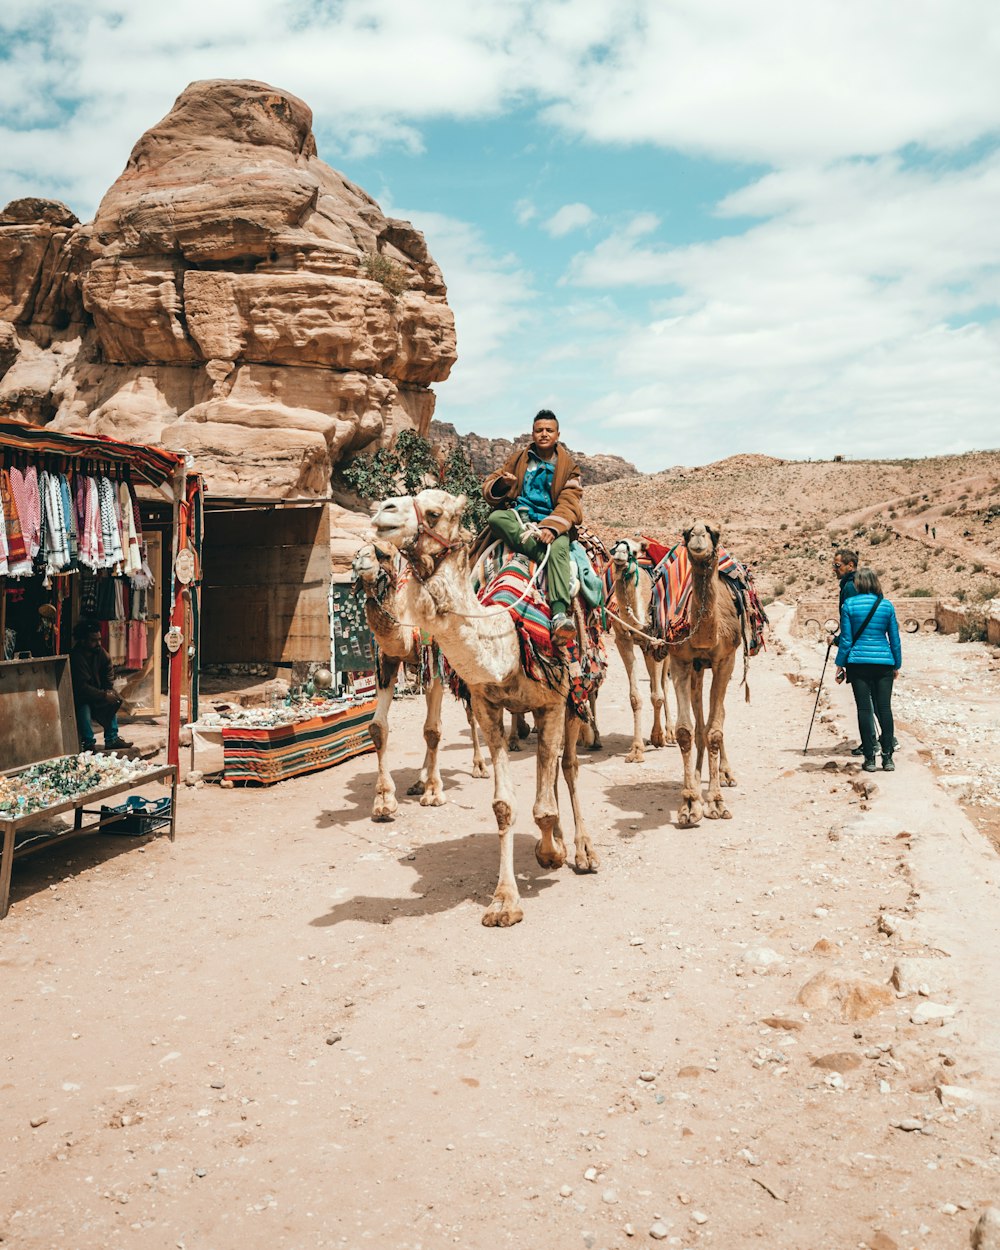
x=38, y=726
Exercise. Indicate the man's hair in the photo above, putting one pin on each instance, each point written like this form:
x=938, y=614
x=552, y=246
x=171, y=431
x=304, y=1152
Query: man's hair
x=846, y=556
x=545, y=415
x=866, y=582
x=84, y=628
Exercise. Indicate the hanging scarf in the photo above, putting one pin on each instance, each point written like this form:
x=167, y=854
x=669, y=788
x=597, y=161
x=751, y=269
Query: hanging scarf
x=69, y=516
x=29, y=510
x=3, y=550
x=18, y=564
x=111, y=537
x=130, y=539
x=56, y=547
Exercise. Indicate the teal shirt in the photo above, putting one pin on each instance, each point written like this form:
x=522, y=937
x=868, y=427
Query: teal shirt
x=535, y=498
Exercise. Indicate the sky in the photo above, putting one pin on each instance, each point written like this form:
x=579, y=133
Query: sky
x=691, y=228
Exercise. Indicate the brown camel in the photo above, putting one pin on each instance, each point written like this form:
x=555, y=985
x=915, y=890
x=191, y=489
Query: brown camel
x=482, y=646
x=633, y=590
x=715, y=638
x=375, y=577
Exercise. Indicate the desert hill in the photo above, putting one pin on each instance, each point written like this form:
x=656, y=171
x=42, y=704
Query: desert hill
x=927, y=526
x=488, y=454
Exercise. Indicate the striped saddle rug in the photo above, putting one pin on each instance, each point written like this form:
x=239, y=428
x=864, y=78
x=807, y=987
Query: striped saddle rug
x=503, y=578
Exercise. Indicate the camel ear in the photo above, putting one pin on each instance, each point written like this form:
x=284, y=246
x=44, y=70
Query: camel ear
x=461, y=503
x=687, y=534
x=714, y=535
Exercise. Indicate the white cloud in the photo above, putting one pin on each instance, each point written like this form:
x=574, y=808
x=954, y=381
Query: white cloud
x=524, y=211
x=853, y=313
x=569, y=218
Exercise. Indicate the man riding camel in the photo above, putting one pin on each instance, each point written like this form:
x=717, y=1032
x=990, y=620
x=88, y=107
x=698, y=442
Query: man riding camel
x=537, y=495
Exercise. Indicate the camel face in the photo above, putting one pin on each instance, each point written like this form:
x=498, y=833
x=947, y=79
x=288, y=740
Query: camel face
x=701, y=540
x=395, y=520
x=364, y=566
x=623, y=550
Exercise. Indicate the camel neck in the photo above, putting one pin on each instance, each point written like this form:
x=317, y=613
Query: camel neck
x=704, y=585
x=479, y=643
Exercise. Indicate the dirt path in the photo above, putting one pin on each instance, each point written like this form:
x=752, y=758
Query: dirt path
x=290, y=1029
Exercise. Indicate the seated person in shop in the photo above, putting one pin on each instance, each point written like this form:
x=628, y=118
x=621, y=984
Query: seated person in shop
x=93, y=693
x=537, y=494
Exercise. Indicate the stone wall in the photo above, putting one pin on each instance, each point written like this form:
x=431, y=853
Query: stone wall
x=913, y=614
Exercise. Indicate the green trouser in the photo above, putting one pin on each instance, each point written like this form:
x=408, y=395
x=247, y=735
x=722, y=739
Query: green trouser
x=507, y=524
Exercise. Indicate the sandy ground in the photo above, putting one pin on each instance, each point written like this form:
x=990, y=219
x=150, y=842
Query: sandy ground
x=289, y=1028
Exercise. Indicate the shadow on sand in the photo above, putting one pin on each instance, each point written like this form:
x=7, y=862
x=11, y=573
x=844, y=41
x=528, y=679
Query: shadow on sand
x=448, y=874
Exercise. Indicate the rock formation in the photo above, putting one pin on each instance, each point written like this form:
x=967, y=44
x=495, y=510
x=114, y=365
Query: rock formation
x=488, y=454
x=234, y=297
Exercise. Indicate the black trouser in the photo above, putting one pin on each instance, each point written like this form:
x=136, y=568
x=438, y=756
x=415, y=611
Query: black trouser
x=872, y=686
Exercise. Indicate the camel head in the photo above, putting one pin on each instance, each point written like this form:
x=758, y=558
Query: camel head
x=371, y=562
x=702, y=541
x=424, y=527
x=622, y=551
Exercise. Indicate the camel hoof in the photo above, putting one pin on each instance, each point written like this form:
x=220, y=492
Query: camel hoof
x=717, y=810
x=418, y=787
x=502, y=916
x=513, y=744
x=670, y=738
x=480, y=770
x=596, y=745
x=382, y=815
x=728, y=779
x=635, y=756
x=587, y=860
x=555, y=860
x=432, y=799
x=689, y=816
x=657, y=739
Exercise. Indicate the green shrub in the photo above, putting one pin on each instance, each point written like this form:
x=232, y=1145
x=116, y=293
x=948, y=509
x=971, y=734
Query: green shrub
x=973, y=628
x=961, y=594
x=921, y=593
x=779, y=589
x=386, y=272
x=988, y=590
x=977, y=567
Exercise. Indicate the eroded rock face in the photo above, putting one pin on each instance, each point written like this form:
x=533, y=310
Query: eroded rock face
x=234, y=297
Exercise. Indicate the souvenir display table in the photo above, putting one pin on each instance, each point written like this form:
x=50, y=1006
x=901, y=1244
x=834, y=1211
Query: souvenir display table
x=50, y=777
x=270, y=744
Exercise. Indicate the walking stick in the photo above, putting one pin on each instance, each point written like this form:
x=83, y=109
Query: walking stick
x=818, y=690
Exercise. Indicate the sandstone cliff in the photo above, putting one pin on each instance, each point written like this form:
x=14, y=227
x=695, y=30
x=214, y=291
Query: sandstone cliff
x=234, y=297
x=488, y=454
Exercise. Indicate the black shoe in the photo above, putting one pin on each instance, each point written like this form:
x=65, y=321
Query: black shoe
x=91, y=745
x=117, y=744
x=869, y=765
x=858, y=751
x=887, y=765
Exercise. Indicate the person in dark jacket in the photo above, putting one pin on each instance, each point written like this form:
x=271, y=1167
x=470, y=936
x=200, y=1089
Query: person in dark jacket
x=537, y=502
x=870, y=655
x=93, y=692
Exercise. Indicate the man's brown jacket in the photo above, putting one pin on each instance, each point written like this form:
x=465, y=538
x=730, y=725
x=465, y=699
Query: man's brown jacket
x=567, y=488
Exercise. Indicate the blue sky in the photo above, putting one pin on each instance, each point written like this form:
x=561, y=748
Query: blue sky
x=691, y=227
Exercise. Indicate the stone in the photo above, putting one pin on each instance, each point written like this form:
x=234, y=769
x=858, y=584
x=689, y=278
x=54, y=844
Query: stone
x=762, y=957
x=858, y=1000
x=901, y=927
x=689, y=1071
x=909, y=1125
x=234, y=297
x=333, y=1038
x=784, y=1022
x=956, y=1096
x=839, y=1061
x=919, y=976
x=659, y=1231
x=882, y=1241
x=986, y=1234
x=929, y=1013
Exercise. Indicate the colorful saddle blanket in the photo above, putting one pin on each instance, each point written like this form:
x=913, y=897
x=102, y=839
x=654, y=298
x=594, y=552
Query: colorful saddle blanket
x=503, y=578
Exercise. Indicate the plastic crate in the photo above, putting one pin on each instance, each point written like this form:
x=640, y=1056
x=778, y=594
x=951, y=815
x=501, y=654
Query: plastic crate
x=136, y=816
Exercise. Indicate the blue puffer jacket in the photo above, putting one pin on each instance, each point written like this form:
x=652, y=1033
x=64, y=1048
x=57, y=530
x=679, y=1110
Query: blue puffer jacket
x=879, y=644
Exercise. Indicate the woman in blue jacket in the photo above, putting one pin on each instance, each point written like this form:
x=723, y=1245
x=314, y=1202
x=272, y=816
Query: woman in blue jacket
x=870, y=653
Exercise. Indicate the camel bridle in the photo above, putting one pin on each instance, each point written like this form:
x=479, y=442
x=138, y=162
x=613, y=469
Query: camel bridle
x=412, y=554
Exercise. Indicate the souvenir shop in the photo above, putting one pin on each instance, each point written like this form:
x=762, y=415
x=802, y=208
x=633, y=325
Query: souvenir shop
x=82, y=527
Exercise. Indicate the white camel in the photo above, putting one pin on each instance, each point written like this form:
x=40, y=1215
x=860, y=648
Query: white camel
x=375, y=577
x=481, y=644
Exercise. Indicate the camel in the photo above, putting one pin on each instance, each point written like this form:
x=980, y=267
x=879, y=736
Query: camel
x=374, y=576
x=482, y=645
x=715, y=637
x=633, y=590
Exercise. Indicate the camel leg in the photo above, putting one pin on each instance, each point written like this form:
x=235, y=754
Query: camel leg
x=385, y=805
x=595, y=743
x=430, y=787
x=587, y=859
x=504, y=909
x=626, y=649
x=513, y=738
x=523, y=728
x=478, y=763
x=654, y=668
x=698, y=701
x=671, y=719
x=721, y=673
x=550, y=849
x=690, y=811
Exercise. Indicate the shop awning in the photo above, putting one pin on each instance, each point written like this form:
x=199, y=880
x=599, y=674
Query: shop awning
x=154, y=465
